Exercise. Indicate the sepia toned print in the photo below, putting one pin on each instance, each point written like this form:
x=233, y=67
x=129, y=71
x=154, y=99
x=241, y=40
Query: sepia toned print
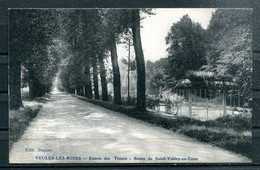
x=130, y=85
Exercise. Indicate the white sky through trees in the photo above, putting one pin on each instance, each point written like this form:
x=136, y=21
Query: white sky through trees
x=156, y=27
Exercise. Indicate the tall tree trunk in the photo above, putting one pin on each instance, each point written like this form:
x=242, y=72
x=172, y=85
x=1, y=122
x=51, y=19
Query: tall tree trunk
x=95, y=78
x=31, y=95
x=81, y=91
x=47, y=89
x=15, y=83
x=31, y=85
x=116, y=73
x=88, y=85
x=141, y=99
x=103, y=78
x=71, y=91
x=78, y=90
x=128, y=73
x=40, y=90
x=36, y=89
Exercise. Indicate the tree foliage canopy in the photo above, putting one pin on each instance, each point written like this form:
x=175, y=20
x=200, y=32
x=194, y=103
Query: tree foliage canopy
x=229, y=51
x=187, y=49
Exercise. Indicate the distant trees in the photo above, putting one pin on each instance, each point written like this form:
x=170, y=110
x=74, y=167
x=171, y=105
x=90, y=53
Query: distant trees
x=155, y=75
x=187, y=48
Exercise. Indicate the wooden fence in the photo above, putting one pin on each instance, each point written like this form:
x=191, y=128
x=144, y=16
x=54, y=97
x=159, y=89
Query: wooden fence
x=203, y=104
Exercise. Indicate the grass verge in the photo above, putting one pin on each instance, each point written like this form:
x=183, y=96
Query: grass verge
x=231, y=132
x=21, y=118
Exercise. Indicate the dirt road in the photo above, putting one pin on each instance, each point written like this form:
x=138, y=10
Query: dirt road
x=74, y=131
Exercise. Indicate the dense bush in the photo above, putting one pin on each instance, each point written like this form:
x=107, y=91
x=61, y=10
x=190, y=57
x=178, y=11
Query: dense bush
x=238, y=122
x=151, y=103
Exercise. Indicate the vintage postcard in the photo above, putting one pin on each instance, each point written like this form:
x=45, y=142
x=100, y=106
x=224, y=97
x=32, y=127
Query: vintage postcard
x=126, y=85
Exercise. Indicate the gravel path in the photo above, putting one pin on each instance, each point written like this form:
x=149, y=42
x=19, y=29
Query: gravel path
x=68, y=130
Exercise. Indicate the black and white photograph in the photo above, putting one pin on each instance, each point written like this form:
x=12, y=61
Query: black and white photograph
x=130, y=85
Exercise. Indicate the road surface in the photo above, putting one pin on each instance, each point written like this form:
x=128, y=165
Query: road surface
x=73, y=131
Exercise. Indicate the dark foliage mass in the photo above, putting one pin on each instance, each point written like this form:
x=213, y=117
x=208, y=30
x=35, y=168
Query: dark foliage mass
x=187, y=47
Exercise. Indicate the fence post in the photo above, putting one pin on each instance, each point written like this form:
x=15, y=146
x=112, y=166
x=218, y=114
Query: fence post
x=190, y=103
x=224, y=102
x=84, y=91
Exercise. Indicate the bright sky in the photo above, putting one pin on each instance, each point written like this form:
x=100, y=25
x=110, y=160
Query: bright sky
x=156, y=27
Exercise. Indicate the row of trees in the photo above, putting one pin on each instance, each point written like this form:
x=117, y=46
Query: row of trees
x=82, y=40
x=77, y=43
x=95, y=35
x=224, y=49
x=31, y=50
